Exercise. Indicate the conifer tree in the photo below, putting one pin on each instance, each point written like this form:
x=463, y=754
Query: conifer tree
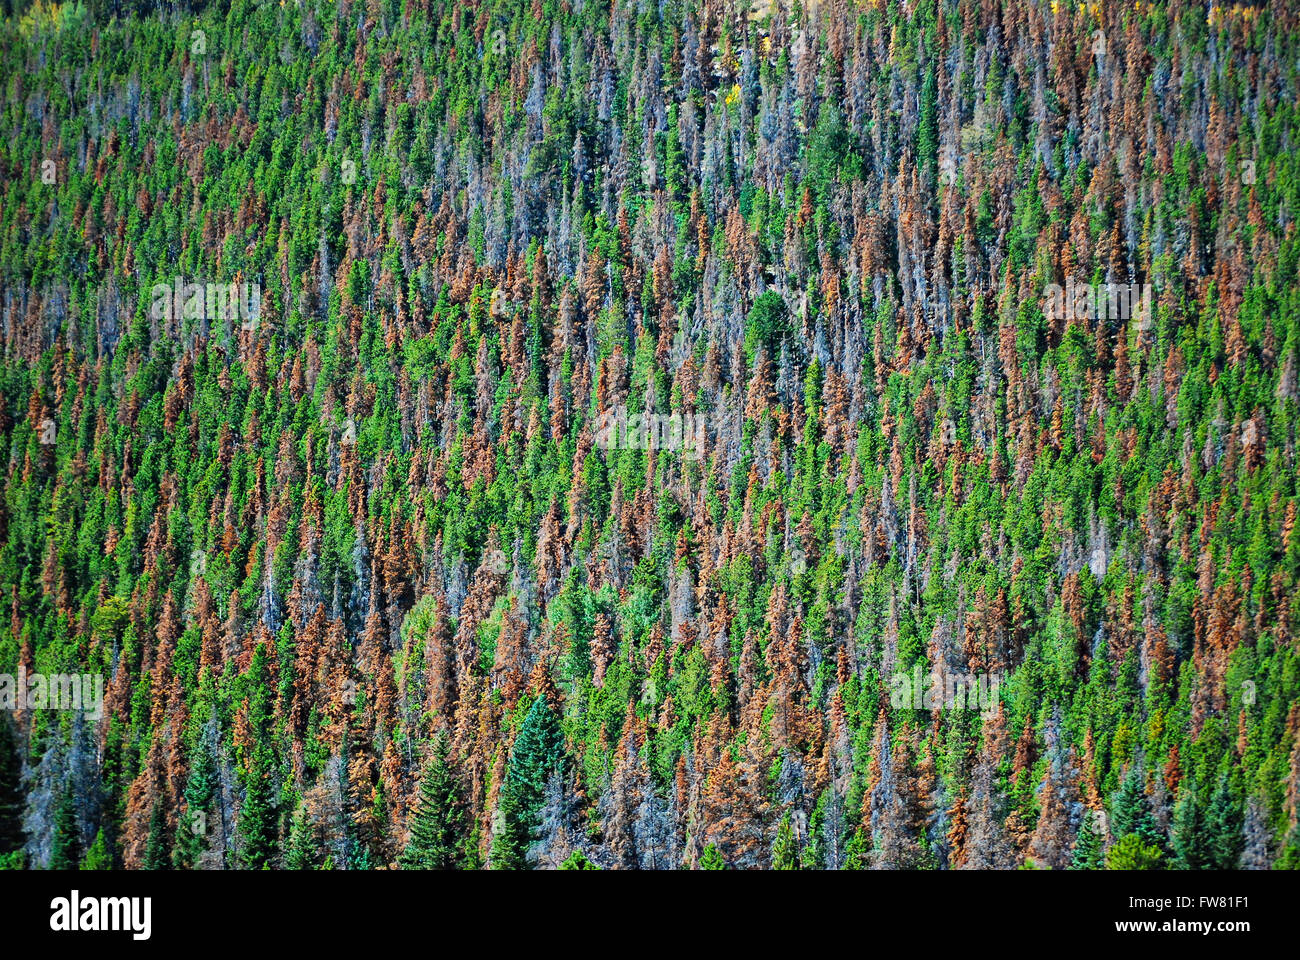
x=437, y=839
x=1131, y=812
x=538, y=751
x=11, y=798
x=1088, y=845
x=157, y=852
x=1224, y=825
x=258, y=826
x=785, y=852
x=97, y=856
x=300, y=852
x=711, y=859
x=193, y=830
x=1189, y=840
x=1131, y=852
x=65, y=852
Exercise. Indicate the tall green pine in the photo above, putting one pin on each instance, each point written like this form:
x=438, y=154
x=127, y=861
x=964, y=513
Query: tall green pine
x=258, y=822
x=157, y=856
x=65, y=853
x=785, y=851
x=438, y=826
x=1088, y=846
x=1190, y=849
x=1131, y=812
x=1224, y=822
x=538, y=751
x=11, y=797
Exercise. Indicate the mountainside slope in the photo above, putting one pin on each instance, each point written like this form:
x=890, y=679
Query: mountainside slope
x=652, y=434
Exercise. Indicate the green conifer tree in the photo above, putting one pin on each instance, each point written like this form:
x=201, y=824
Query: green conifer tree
x=1223, y=823
x=711, y=859
x=98, y=856
x=301, y=850
x=65, y=853
x=785, y=851
x=538, y=750
x=11, y=798
x=1088, y=846
x=1131, y=852
x=1131, y=811
x=157, y=856
x=438, y=826
x=257, y=820
x=1189, y=833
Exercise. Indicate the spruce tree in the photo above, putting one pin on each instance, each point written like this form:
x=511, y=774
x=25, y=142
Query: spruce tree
x=157, y=856
x=785, y=852
x=858, y=854
x=927, y=128
x=301, y=850
x=11, y=798
x=65, y=852
x=98, y=856
x=192, y=832
x=1223, y=823
x=537, y=752
x=438, y=826
x=1131, y=811
x=1088, y=846
x=711, y=859
x=1189, y=837
x=257, y=820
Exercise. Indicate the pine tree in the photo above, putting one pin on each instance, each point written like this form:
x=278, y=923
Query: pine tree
x=1131, y=812
x=538, y=751
x=559, y=830
x=258, y=831
x=711, y=859
x=1223, y=822
x=785, y=852
x=1130, y=852
x=65, y=852
x=157, y=855
x=1190, y=850
x=1088, y=846
x=11, y=797
x=438, y=825
x=98, y=856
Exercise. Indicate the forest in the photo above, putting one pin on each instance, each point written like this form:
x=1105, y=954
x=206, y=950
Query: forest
x=649, y=434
